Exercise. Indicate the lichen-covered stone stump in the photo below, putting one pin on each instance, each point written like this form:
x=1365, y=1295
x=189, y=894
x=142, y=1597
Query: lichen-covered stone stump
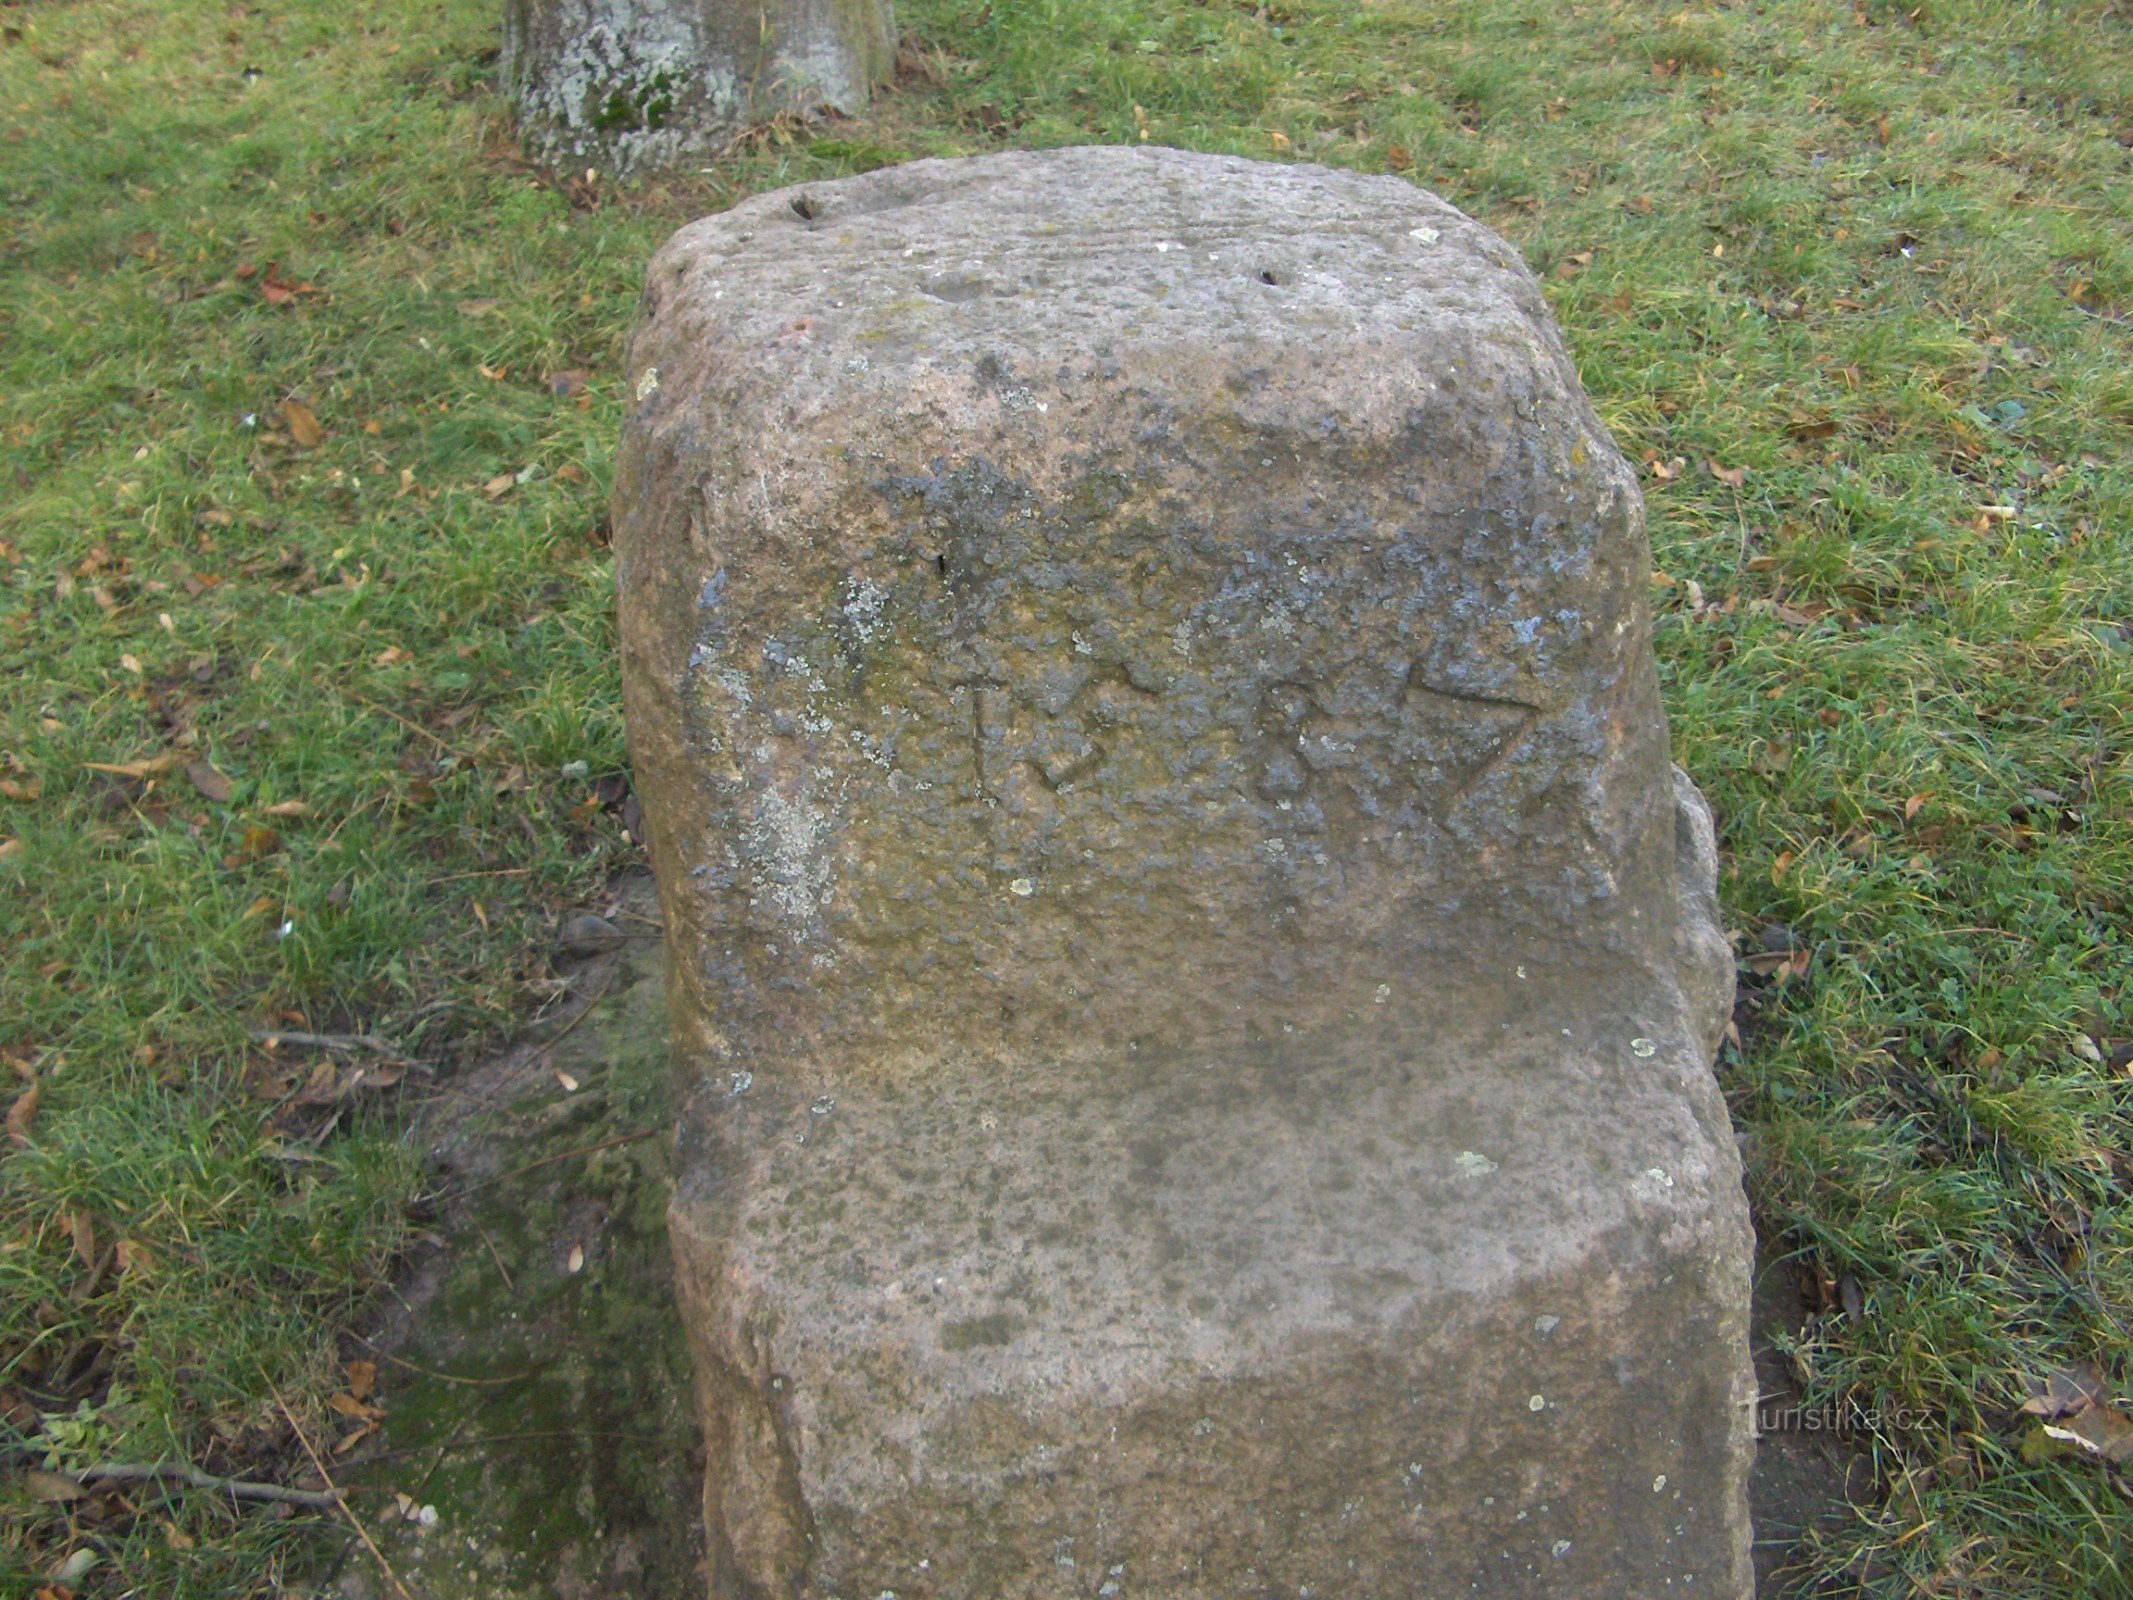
x=635, y=84
x=1193, y=973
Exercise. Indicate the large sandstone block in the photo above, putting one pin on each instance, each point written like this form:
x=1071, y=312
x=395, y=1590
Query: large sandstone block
x=1193, y=973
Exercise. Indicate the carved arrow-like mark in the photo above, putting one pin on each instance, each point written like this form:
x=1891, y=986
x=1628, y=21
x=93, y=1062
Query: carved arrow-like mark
x=1504, y=725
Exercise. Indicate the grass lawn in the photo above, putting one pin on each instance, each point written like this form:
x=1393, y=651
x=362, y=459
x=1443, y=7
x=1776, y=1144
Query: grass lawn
x=310, y=724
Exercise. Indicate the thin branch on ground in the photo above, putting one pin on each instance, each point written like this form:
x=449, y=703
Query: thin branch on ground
x=186, y=1472
x=343, y=1043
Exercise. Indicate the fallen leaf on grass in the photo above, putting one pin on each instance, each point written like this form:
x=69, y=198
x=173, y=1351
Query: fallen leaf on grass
x=1914, y=805
x=322, y=1088
x=348, y=1441
x=2100, y=1430
x=303, y=426
x=2064, y=1392
x=570, y=381
x=214, y=785
x=151, y=767
x=134, y=1256
x=1664, y=471
x=1783, y=965
x=24, y=791
x=81, y=1229
x=289, y=808
x=476, y=308
x=349, y=1406
x=22, y=1114
x=1731, y=477
x=373, y=1078
x=50, y=1486
x=277, y=290
x=499, y=485
x=362, y=1378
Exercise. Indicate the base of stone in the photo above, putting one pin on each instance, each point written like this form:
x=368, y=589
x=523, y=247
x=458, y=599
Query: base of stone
x=1444, y=1310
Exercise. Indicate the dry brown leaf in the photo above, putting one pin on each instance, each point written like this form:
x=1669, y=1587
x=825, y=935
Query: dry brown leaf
x=348, y=1441
x=349, y=1406
x=81, y=1227
x=151, y=767
x=22, y=1114
x=26, y=790
x=1280, y=141
x=568, y=382
x=476, y=308
x=208, y=781
x=277, y=290
x=1731, y=477
x=303, y=426
x=498, y=485
x=2064, y=1392
x=134, y=1256
x=362, y=1378
x=289, y=808
x=2100, y=1430
x=1914, y=805
x=50, y=1486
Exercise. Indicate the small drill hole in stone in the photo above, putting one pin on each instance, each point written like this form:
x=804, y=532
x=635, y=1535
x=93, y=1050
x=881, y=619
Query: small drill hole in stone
x=803, y=207
x=1268, y=277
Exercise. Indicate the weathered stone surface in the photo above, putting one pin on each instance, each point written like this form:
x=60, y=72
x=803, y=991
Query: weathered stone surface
x=634, y=84
x=1192, y=972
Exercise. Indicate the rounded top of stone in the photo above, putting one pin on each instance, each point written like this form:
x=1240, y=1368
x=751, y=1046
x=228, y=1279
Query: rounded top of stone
x=1046, y=250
